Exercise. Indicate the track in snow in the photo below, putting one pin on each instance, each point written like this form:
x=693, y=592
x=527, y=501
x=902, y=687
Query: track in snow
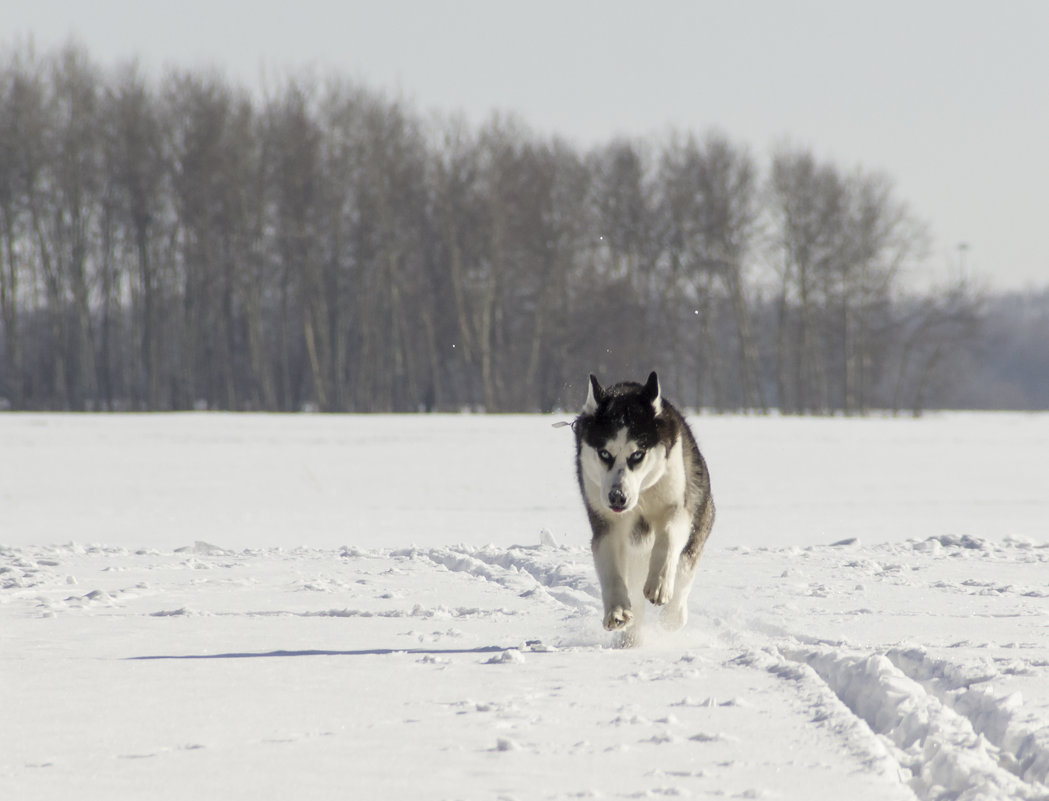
x=945, y=732
x=884, y=672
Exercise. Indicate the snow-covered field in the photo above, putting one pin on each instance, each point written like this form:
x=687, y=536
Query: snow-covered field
x=222, y=606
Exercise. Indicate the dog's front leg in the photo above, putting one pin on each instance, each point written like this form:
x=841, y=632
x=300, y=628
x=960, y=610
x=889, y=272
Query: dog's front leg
x=663, y=563
x=610, y=561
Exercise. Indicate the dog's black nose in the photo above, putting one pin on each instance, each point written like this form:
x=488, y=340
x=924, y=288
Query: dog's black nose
x=617, y=499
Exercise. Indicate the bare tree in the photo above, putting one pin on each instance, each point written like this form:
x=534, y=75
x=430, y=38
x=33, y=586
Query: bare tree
x=295, y=176
x=136, y=166
x=210, y=128
x=708, y=212
x=623, y=251
x=807, y=204
x=457, y=213
x=881, y=240
x=690, y=272
x=725, y=183
x=393, y=206
x=173, y=243
x=21, y=128
x=933, y=329
x=566, y=231
x=501, y=147
x=841, y=246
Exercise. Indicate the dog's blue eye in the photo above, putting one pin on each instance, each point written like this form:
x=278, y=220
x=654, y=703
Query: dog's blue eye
x=604, y=455
x=636, y=457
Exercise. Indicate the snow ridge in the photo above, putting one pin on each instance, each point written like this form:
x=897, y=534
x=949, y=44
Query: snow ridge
x=564, y=575
x=949, y=754
x=1023, y=744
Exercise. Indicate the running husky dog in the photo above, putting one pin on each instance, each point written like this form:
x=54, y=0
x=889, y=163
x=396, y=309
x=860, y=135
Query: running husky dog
x=647, y=493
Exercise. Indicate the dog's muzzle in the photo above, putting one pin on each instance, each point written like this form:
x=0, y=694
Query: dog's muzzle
x=616, y=500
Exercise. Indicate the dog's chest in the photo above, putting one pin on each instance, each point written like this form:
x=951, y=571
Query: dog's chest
x=657, y=504
x=668, y=493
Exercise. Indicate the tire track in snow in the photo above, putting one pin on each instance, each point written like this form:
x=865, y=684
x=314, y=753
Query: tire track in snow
x=949, y=734
x=525, y=570
x=905, y=715
x=945, y=755
x=1024, y=749
x=827, y=709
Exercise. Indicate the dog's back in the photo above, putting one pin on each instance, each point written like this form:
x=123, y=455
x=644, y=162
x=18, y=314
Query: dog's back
x=697, y=497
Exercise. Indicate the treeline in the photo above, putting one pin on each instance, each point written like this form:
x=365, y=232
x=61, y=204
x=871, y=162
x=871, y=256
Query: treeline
x=181, y=243
x=1007, y=366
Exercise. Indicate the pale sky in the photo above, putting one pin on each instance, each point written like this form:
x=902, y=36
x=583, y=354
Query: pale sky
x=950, y=98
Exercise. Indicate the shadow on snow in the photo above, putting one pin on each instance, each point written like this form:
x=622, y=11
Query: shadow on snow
x=487, y=649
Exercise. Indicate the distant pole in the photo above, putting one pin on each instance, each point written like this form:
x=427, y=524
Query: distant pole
x=963, y=250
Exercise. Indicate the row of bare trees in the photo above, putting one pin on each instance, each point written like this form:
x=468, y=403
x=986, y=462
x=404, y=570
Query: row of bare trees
x=181, y=243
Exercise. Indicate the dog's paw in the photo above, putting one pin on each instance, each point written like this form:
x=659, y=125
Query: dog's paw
x=618, y=617
x=658, y=590
x=674, y=616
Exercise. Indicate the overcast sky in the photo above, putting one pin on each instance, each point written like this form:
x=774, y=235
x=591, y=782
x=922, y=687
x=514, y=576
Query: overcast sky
x=950, y=98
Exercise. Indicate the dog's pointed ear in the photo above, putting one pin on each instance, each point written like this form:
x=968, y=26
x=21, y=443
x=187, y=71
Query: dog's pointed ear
x=653, y=394
x=594, y=395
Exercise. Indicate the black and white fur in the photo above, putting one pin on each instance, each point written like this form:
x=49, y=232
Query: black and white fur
x=647, y=493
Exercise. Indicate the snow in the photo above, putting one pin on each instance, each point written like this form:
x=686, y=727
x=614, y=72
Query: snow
x=238, y=606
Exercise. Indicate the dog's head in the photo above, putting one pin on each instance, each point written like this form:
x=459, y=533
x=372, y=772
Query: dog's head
x=623, y=441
